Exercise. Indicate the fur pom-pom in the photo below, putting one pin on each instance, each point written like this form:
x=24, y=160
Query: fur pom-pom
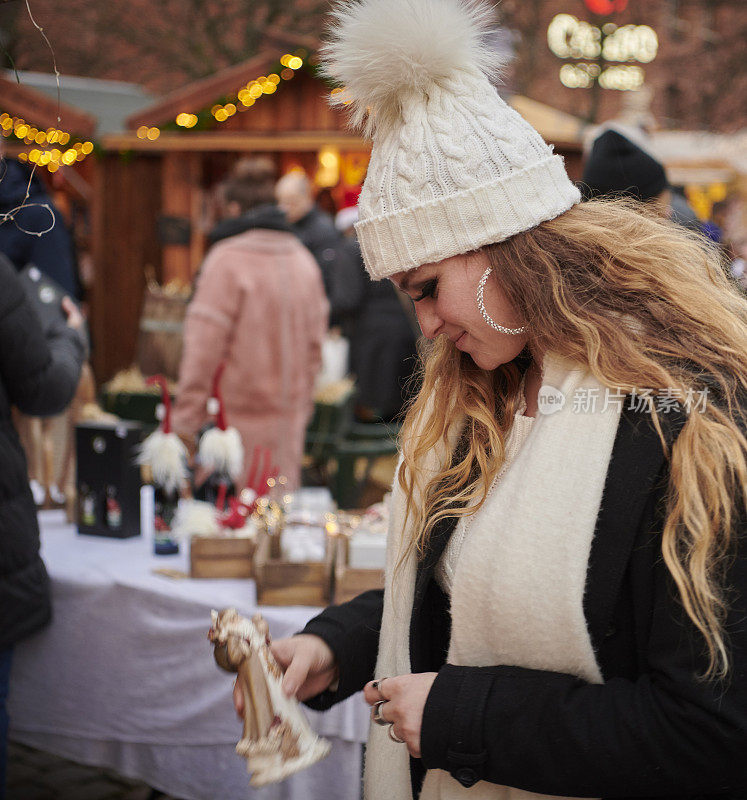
x=195, y=518
x=166, y=456
x=385, y=51
x=222, y=451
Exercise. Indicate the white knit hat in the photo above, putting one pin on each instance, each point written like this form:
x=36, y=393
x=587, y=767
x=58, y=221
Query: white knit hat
x=453, y=167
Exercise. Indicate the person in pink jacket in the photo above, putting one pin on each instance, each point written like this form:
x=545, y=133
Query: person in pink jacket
x=259, y=306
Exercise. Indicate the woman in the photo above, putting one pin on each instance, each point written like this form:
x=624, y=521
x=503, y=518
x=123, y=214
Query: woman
x=259, y=307
x=565, y=599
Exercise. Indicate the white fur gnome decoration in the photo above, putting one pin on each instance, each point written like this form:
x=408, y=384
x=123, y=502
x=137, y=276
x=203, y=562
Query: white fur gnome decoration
x=220, y=449
x=453, y=167
x=163, y=451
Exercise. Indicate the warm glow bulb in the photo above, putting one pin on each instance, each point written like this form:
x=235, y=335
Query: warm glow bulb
x=295, y=62
x=153, y=134
x=87, y=147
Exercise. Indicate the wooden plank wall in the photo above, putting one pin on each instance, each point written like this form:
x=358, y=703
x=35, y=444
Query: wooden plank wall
x=125, y=210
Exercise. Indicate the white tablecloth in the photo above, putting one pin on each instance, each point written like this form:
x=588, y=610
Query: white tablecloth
x=124, y=676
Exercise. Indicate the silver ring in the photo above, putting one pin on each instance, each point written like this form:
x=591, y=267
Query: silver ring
x=377, y=716
x=393, y=736
x=484, y=312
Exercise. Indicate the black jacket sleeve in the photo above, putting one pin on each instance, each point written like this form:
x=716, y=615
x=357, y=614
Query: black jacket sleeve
x=352, y=632
x=39, y=373
x=663, y=732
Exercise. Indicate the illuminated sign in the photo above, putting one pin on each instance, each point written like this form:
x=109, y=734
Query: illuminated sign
x=606, y=6
x=571, y=38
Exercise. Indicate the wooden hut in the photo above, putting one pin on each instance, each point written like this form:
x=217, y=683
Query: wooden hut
x=154, y=181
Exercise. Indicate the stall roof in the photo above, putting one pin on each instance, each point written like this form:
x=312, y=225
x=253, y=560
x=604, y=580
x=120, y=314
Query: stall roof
x=554, y=125
x=106, y=103
x=23, y=100
x=206, y=91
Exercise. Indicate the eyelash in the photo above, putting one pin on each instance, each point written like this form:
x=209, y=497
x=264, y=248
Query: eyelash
x=428, y=290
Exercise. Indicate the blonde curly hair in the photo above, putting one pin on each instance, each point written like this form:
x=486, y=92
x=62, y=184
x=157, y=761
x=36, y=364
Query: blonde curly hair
x=644, y=304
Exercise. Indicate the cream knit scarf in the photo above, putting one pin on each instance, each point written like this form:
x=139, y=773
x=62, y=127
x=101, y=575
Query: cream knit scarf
x=517, y=595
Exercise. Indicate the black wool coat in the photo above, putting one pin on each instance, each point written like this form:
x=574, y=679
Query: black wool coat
x=652, y=730
x=38, y=375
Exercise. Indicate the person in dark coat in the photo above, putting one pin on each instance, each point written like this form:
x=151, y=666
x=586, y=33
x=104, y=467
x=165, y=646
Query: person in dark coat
x=39, y=376
x=383, y=341
x=52, y=251
x=565, y=599
x=316, y=229
x=616, y=166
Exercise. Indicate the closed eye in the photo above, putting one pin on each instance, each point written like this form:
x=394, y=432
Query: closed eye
x=428, y=290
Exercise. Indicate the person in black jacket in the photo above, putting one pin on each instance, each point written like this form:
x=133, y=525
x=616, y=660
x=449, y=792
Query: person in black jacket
x=38, y=375
x=565, y=605
x=383, y=342
x=316, y=229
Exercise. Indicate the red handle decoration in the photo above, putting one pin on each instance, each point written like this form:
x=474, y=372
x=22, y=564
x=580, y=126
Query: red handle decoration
x=253, y=473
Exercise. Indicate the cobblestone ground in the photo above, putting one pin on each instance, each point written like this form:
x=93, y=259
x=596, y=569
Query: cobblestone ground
x=34, y=775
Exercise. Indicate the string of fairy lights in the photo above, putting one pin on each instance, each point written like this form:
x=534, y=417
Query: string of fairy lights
x=45, y=156
x=54, y=148
x=245, y=96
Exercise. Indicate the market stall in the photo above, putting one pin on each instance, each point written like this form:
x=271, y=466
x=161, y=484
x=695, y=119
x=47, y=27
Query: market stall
x=124, y=677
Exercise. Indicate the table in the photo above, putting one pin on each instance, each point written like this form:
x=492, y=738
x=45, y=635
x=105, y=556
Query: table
x=124, y=676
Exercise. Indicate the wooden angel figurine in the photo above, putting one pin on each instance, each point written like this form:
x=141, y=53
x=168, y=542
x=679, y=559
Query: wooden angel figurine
x=277, y=739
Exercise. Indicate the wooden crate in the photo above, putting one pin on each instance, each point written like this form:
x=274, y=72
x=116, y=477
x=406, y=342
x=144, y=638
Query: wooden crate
x=352, y=581
x=284, y=583
x=221, y=557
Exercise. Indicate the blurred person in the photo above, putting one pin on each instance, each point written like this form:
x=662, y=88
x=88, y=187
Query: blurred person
x=38, y=375
x=316, y=229
x=259, y=306
x=52, y=252
x=233, y=218
x=382, y=334
x=617, y=166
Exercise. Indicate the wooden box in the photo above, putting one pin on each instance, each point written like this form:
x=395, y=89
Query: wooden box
x=285, y=583
x=352, y=581
x=221, y=557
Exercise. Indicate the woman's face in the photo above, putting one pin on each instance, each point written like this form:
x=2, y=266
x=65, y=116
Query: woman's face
x=445, y=298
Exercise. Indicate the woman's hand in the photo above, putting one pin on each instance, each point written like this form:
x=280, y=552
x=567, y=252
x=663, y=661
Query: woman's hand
x=405, y=698
x=309, y=667
x=74, y=317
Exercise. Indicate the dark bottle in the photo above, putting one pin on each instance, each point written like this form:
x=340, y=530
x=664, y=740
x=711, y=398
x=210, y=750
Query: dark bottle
x=165, y=508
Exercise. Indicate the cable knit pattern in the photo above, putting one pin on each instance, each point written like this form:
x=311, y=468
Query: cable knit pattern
x=452, y=167
x=461, y=171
